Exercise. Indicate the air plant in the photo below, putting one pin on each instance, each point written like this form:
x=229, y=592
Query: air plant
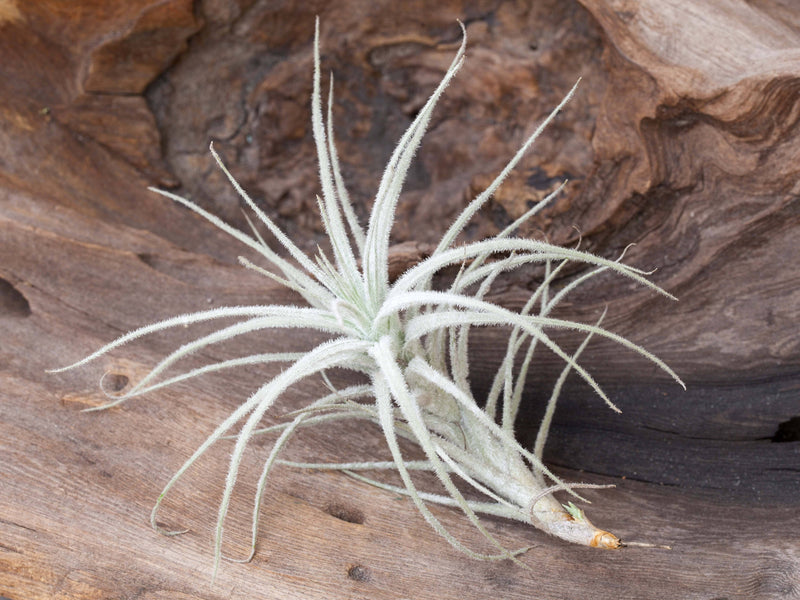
x=411, y=341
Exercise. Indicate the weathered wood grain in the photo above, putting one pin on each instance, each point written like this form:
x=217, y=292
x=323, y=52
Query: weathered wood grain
x=683, y=138
x=78, y=487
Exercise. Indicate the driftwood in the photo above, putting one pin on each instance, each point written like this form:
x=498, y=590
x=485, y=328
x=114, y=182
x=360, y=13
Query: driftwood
x=683, y=139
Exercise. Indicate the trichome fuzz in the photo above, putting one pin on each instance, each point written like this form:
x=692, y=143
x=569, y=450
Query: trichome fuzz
x=411, y=343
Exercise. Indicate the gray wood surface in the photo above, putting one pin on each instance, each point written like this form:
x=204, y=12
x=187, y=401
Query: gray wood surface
x=78, y=487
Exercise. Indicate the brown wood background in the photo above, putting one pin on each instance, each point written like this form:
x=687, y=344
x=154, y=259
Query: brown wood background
x=683, y=138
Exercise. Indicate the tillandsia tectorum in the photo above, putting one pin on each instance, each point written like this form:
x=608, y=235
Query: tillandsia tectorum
x=410, y=341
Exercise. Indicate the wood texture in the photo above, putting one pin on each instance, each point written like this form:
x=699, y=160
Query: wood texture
x=683, y=138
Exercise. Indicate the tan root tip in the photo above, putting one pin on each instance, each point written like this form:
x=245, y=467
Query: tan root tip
x=604, y=539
